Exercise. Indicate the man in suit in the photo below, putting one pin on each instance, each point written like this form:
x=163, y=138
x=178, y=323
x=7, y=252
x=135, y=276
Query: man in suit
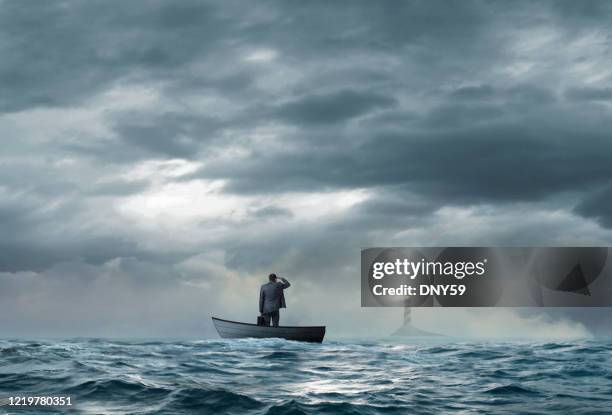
x=272, y=299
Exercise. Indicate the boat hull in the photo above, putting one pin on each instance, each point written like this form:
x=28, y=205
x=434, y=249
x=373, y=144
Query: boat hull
x=235, y=330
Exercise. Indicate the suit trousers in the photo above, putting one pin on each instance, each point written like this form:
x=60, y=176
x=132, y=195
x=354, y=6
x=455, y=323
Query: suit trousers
x=274, y=316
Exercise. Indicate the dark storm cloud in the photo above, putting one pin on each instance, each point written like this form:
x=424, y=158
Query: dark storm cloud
x=424, y=105
x=33, y=238
x=271, y=212
x=499, y=163
x=473, y=92
x=334, y=107
x=170, y=135
x=18, y=255
x=392, y=205
x=592, y=11
x=459, y=115
x=470, y=105
x=322, y=30
x=590, y=94
x=597, y=205
x=61, y=53
x=56, y=54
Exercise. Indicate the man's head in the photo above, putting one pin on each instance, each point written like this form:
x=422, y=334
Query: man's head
x=272, y=277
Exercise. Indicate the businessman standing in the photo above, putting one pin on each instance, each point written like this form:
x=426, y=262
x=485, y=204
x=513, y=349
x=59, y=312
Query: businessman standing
x=272, y=299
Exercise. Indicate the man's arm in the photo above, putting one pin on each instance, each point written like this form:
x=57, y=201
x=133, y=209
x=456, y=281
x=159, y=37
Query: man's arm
x=285, y=283
x=262, y=297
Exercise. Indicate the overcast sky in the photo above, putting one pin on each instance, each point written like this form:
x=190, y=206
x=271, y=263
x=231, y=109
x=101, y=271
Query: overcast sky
x=159, y=159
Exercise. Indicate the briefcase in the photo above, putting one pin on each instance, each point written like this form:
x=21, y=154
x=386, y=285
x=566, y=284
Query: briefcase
x=261, y=321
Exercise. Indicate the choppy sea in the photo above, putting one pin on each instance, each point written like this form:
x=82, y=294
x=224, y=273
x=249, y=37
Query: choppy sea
x=278, y=377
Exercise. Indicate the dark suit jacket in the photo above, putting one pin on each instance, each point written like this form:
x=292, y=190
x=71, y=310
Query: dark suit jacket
x=271, y=296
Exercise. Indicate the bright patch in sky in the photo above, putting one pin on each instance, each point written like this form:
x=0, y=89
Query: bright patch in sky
x=261, y=55
x=195, y=200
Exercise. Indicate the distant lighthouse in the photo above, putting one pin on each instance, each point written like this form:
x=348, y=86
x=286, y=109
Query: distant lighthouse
x=408, y=330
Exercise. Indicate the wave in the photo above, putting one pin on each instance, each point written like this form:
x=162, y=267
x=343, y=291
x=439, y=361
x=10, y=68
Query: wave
x=293, y=407
x=9, y=351
x=117, y=388
x=511, y=390
x=440, y=350
x=276, y=377
x=282, y=355
x=213, y=401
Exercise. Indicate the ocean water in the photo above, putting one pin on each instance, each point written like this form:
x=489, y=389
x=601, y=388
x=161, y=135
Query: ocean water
x=277, y=377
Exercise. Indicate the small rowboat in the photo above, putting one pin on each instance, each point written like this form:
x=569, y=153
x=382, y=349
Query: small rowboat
x=236, y=330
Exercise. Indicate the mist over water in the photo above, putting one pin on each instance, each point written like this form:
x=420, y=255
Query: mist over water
x=337, y=377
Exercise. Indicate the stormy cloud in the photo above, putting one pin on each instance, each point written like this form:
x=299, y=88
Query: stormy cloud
x=159, y=159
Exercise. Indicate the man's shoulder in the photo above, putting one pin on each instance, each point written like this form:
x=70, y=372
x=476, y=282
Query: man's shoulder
x=272, y=284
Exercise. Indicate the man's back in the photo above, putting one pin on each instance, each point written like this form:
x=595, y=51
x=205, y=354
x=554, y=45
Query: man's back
x=271, y=296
